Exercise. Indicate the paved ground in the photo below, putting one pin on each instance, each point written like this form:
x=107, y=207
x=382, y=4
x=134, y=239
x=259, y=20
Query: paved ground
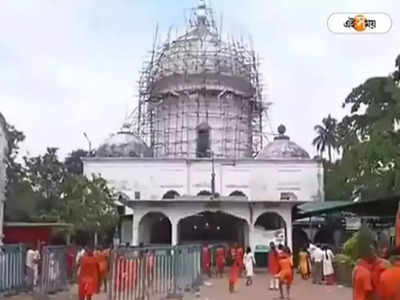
x=302, y=290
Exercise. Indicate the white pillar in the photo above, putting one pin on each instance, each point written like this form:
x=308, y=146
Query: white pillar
x=251, y=236
x=135, y=230
x=174, y=232
x=289, y=229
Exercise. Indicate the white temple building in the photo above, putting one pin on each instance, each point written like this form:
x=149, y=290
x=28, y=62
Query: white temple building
x=193, y=163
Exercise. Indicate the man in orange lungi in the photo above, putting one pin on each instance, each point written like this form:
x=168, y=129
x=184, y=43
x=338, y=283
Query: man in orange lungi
x=89, y=276
x=220, y=260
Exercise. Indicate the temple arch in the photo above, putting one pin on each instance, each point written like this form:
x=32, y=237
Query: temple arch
x=155, y=228
x=270, y=227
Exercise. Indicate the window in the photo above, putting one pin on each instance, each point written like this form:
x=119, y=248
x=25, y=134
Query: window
x=170, y=194
x=203, y=140
x=137, y=195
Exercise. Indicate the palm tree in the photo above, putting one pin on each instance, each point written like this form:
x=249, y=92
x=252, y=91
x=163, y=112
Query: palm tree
x=326, y=136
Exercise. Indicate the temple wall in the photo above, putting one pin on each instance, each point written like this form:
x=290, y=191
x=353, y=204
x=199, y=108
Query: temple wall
x=259, y=180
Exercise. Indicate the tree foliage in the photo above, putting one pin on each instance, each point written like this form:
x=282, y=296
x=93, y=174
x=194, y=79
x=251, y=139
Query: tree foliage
x=326, y=138
x=73, y=161
x=43, y=188
x=369, y=140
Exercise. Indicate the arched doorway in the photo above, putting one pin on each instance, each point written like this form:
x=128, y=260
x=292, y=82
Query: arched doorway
x=270, y=227
x=300, y=241
x=213, y=227
x=324, y=236
x=155, y=228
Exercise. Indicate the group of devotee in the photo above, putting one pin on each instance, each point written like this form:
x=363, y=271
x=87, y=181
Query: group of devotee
x=317, y=261
x=280, y=265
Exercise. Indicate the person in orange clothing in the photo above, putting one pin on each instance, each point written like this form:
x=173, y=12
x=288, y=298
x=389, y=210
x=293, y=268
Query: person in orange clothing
x=233, y=276
x=273, y=267
x=389, y=282
x=239, y=259
x=377, y=266
x=89, y=276
x=365, y=273
x=285, y=274
x=207, y=260
x=102, y=259
x=232, y=254
x=220, y=260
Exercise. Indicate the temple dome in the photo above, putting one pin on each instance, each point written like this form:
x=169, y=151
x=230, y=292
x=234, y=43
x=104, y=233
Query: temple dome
x=123, y=144
x=282, y=148
x=201, y=50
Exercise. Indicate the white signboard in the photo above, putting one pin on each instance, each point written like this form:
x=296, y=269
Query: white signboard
x=353, y=223
x=264, y=237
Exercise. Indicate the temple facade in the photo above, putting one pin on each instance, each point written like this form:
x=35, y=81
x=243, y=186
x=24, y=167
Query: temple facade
x=192, y=163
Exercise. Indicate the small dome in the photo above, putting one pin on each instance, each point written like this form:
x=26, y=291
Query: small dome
x=282, y=148
x=123, y=144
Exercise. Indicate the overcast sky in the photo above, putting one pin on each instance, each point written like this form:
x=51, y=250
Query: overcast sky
x=71, y=66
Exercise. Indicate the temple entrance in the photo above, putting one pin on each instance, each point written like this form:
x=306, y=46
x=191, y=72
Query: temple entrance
x=155, y=228
x=213, y=228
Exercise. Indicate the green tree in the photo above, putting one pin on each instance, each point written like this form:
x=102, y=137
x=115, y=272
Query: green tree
x=326, y=136
x=88, y=203
x=370, y=139
x=46, y=174
x=20, y=198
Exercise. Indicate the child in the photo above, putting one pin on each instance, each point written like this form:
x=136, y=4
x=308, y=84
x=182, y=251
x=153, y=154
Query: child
x=234, y=275
x=248, y=262
x=286, y=273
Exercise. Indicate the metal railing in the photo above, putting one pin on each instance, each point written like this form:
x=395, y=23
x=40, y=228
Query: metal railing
x=54, y=277
x=12, y=269
x=142, y=273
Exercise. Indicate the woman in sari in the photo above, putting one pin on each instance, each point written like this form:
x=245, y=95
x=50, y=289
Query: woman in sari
x=304, y=264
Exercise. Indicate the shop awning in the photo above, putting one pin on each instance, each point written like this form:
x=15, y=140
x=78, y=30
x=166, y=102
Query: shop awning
x=382, y=207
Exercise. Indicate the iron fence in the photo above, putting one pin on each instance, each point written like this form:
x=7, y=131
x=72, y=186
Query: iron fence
x=12, y=269
x=142, y=273
x=54, y=271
